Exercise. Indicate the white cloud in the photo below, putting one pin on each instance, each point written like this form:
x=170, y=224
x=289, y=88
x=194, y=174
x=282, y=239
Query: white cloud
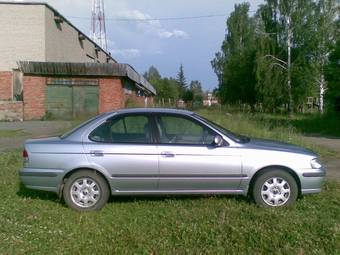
x=175, y=33
x=147, y=25
x=126, y=53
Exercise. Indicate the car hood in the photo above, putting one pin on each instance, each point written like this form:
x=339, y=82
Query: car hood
x=255, y=143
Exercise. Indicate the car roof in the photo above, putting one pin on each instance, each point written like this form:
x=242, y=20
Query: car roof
x=154, y=110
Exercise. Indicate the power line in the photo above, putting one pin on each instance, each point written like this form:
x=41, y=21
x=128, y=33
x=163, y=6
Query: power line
x=158, y=19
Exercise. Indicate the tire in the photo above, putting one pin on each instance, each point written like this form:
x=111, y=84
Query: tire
x=85, y=191
x=275, y=188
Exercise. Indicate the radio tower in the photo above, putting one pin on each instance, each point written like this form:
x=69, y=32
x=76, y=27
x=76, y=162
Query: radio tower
x=98, y=29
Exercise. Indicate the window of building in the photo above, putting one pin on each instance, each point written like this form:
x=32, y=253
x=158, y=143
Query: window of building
x=17, y=85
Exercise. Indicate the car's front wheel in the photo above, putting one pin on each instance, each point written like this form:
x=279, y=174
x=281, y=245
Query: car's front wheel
x=275, y=188
x=86, y=190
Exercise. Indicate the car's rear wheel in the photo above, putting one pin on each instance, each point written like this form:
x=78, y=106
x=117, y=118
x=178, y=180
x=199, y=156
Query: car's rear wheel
x=86, y=190
x=275, y=188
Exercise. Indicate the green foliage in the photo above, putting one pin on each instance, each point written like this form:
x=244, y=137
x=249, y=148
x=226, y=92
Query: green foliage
x=173, y=89
x=167, y=88
x=181, y=80
x=235, y=64
x=333, y=77
x=188, y=96
x=196, y=88
x=254, y=64
x=152, y=74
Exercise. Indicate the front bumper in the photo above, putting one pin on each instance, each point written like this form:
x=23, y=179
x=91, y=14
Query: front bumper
x=42, y=179
x=312, y=180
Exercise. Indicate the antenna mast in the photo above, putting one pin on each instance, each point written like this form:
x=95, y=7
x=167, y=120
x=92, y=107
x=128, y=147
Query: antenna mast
x=98, y=29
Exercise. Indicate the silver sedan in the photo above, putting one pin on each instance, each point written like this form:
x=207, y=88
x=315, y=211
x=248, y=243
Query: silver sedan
x=166, y=151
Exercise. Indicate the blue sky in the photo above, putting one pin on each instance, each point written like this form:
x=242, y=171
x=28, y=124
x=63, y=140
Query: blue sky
x=164, y=44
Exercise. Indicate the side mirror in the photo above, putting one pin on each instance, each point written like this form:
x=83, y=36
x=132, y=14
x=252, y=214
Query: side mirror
x=218, y=140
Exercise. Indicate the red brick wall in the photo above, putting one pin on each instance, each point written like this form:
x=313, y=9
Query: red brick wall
x=6, y=80
x=34, y=97
x=111, y=94
x=11, y=110
x=138, y=101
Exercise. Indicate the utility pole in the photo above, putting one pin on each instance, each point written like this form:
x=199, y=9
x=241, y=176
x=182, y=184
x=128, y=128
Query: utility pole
x=98, y=28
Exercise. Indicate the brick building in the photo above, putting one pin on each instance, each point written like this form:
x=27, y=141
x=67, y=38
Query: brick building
x=49, y=68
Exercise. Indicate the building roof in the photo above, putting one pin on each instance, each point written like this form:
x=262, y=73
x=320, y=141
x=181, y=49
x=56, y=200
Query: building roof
x=58, y=14
x=85, y=70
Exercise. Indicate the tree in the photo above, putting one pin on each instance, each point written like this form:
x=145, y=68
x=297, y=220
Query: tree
x=234, y=64
x=197, y=93
x=188, y=96
x=167, y=88
x=332, y=72
x=181, y=80
x=284, y=30
x=196, y=88
x=152, y=74
x=321, y=43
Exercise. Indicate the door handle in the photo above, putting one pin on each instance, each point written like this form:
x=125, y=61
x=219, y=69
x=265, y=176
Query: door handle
x=97, y=153
x=167, y=154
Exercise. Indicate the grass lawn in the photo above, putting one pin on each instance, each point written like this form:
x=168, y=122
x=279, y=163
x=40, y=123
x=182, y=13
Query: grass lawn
x=12, y=133
x=39, y=223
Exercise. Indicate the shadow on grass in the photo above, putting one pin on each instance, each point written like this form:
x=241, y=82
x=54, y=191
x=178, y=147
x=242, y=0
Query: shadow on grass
x=37, y=194
x=50, y=196
x=164, y=198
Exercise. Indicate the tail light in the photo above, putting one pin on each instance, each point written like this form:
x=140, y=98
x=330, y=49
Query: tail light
x=25, y=155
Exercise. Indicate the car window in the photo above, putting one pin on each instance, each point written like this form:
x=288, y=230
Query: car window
x=180, y=130
x=126, y=129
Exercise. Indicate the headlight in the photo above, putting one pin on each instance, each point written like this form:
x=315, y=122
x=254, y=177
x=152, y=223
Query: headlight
x=315, y=163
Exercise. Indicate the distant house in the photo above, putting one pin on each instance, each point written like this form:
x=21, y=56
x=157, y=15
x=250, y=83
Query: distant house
x=210, y=100
x=48, y=67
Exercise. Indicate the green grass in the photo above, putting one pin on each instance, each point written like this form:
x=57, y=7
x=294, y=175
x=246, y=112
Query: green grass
x=12, y=133
x=309, y=124
x=35, y=222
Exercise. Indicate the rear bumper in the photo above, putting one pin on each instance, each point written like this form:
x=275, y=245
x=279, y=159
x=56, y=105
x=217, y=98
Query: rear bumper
x=312, y=180
x=42, y=179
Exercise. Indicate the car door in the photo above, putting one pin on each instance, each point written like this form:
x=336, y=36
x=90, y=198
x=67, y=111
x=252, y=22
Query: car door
x=188, y=160
x=124, y=148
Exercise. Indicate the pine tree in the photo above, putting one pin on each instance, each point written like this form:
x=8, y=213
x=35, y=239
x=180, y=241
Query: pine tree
x=182, y=82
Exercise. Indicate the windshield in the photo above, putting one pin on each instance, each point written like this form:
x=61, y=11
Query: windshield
x=236, y=137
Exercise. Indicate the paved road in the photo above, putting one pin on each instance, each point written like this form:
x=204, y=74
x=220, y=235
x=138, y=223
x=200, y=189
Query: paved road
x=31, y=129
x=332, y=163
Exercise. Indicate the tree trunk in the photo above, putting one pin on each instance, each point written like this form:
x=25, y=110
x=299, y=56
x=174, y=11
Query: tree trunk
x=289, y=60
x=322, y=86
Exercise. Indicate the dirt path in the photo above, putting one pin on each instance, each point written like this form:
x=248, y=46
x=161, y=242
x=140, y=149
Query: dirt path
x=29, y=129
x=332, y=163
